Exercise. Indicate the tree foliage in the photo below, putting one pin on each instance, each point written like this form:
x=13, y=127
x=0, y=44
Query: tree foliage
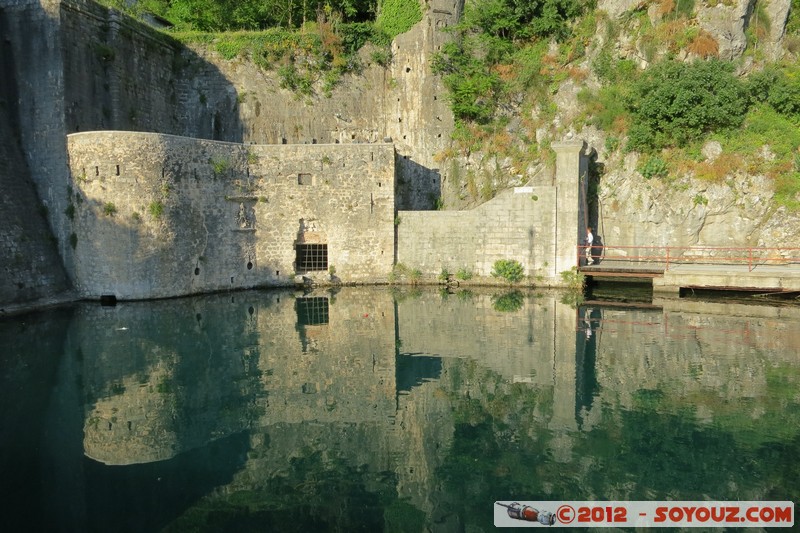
x=674, y=103
x=779, y=88
x=398, y=16
x=489, y=34
x=231, y=15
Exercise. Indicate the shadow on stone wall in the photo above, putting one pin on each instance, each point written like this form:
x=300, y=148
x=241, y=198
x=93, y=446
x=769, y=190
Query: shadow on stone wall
x=418, y=187
x=120, y=74
x=84, y=67
x=29, y=262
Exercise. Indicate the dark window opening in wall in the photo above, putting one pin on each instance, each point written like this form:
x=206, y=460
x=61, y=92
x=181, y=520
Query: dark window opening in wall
x=197, y=271
x=311, y=257
x=249, y=265
x=312, y=310
x=96, y=171
x=305, y=179
x=117, y=170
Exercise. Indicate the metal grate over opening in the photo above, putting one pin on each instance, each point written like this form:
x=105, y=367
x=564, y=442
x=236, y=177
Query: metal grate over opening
x=312, y=257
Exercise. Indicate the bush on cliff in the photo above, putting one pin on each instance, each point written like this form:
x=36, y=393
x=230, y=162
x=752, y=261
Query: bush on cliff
x=674, y=103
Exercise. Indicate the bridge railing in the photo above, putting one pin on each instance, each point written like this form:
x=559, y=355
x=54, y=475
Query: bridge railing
x=657, y=256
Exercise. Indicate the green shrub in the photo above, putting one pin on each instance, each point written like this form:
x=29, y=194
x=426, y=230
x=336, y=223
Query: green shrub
x=398, y=16
x=444, y=275
x=573, y=279
x=510, y=270
x=787, y=190
x=218, y=166
x=109, y=209
x=156, y=209
x=464, y=274
x=654, y=167
x=674, y=103
x=508, y=302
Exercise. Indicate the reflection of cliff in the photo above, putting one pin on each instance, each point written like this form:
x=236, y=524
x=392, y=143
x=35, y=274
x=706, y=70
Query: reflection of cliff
x=701, y=355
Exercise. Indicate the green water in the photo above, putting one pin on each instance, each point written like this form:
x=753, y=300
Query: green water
x=369, y=409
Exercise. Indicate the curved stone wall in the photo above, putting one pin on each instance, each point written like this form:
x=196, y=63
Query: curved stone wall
x=159, y=215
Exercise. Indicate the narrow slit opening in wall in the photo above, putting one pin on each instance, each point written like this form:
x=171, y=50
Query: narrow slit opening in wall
x=117, y=170
x=312, y=257
x=96, y=171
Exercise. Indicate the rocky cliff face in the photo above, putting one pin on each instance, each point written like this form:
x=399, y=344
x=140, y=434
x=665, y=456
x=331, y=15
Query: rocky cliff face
x=738, y=210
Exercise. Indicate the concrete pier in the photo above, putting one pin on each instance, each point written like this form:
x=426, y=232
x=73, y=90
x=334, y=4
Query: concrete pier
x=766, y=278
x=763, y=278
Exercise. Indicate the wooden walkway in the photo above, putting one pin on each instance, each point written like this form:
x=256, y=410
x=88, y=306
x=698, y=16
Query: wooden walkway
x=719, y=274
x=623, y=269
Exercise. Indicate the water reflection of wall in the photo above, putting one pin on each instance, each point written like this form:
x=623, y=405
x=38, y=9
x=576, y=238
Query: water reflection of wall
x=532, y=343
x=165, y=377
x=361, y=386
x=329, y=356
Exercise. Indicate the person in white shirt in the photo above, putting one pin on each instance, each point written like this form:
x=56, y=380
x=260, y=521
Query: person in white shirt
x=589, y=241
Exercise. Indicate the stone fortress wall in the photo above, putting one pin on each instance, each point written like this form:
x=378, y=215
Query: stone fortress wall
x=138, y=215
x=539, y=226
x=157, y=215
